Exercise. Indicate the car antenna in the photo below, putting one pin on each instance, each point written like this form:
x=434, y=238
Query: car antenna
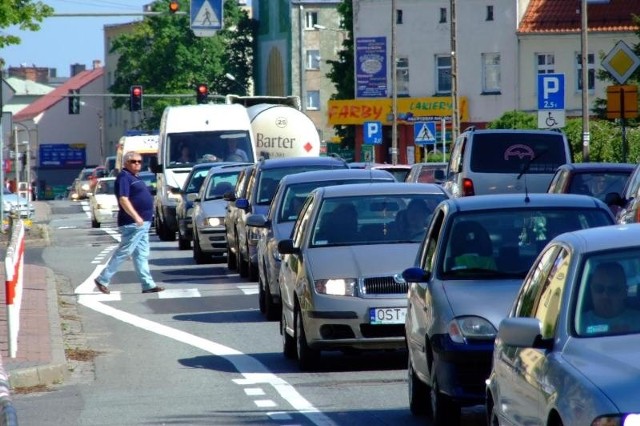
x=525, y=170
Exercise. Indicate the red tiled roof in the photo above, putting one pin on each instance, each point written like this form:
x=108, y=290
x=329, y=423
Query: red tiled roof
x=45, y=102
x=558, y=16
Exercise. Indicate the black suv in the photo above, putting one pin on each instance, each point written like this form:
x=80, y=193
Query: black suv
x=261, y=187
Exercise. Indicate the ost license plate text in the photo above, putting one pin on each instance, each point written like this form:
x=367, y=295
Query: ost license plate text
x=387, y=315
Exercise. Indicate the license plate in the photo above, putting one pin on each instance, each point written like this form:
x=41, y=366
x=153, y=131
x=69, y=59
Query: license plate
x=387, y=315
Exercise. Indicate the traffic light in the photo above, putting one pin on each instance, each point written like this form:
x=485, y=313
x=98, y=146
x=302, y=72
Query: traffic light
x=174, y=6
x=135, y=98
x=202, y=93
x=74, y=101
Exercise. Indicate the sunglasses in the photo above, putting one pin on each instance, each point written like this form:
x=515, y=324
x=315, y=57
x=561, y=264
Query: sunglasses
x=609, y=289
x=135, y=161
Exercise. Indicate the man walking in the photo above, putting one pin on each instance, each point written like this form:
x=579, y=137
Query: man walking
x=134, y=220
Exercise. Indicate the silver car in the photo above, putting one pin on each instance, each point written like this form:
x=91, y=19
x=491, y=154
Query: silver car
x=15, y=204
x=568, y=352
x=468, y=270
x=340, y=280
x=277, y=224
x=209, y=209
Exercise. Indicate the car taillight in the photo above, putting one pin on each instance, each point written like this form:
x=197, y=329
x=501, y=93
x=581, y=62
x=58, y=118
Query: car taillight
x=467, y=187
x=637, y=215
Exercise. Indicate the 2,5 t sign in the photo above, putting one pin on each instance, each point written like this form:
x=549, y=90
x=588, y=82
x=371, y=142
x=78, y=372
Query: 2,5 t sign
x=550, y=91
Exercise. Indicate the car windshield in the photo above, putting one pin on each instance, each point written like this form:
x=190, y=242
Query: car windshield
x=483, y=244
x=106, y=187
x=295, y=195
x=195, y=181
x=269, y=179
x=221, y=183
x=373, y=219
x=608, y=301
x=599, y=184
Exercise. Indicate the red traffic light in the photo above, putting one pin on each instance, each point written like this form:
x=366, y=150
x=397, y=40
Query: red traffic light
x=174, y=6
x=135, y=98
x=136, y=91
x=202, y=93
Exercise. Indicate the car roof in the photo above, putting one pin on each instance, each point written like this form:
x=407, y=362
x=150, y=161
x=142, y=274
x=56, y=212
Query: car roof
x=227, y=168
x=588, y=167
x=274, y=163
x=106, y=178
x=603, y=237
x=515, y=201
x=535, y=131
x=380, y=188
x=331, y=174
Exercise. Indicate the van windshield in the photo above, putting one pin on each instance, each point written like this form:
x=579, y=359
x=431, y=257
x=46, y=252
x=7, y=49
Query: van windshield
x=187, y=149
x=512, y=152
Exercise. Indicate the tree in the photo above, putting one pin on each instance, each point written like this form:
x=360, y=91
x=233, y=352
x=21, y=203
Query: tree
x=515, y=120
x=26, y=14
x=164, y=56
x=342, y=70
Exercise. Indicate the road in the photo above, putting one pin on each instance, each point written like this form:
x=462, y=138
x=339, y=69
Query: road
x=198, y=353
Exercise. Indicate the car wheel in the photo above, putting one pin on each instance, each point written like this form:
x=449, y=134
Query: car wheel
x=307, y=358
x=261, y=301
x=272, y=309
x=183, y=243
x=288, y=342
x=444, y=412
x=418, y=392
x=231, y=259
x=243, y=269
x=95, y=223
x=198, y=255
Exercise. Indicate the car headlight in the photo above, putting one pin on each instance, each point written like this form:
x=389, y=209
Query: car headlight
x=214, y=221
x=618, y=420
x=85, y=187
x=337, y=286
x=463, y=328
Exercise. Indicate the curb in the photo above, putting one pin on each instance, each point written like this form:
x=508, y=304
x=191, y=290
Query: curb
x=56, y=371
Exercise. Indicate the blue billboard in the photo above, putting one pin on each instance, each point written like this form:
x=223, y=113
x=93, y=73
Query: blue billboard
x=371, y=67
x=63, y=155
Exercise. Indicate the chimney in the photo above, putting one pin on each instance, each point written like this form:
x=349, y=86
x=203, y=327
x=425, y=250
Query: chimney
x=96, y=64
x=77, y=69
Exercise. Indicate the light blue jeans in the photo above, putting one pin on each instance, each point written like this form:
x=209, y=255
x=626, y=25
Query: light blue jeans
x=134, y=243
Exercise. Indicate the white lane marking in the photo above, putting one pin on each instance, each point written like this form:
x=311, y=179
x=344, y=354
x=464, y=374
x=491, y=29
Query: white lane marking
x=67, y=227
x=265, y=403
x=249, y=289
x=254, y=372
x=179, y=293
x=279, y=415
x=254, y=391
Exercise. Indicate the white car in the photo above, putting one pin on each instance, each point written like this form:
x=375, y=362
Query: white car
x=12, y=203
x=103, y=202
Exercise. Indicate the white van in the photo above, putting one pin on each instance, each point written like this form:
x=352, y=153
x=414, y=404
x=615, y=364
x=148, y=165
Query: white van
x=498, y=161
x=144, y=144
x=191, y=134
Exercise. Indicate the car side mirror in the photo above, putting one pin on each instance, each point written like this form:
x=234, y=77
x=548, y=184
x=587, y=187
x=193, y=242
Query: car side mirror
x=287, y=247
x=416, y=275
x=192, y=196
x=257, y=220
x=614, y=199
x=242, y=203
x=229, y=196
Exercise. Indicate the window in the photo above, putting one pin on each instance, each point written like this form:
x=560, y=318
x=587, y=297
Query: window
x=313, y=59
x=402, y=76
x=399, y=16
x=489, y=13
x=313, y=99
x=443, y=15
x=545, y=63
x=310, y=19
x=591, y=72
x=490, y=73
x=443, y=74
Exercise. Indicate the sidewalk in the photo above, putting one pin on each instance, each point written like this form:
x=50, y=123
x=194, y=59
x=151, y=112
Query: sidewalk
x=40, y=357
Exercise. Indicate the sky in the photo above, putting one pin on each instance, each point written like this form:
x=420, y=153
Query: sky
x=63, y=41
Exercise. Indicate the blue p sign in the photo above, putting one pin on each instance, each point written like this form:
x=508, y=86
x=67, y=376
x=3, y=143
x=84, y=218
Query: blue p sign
x=550, y=91
x=372, y=132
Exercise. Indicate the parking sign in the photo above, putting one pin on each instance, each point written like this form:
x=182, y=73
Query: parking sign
x=550, y=91
x=372, y=132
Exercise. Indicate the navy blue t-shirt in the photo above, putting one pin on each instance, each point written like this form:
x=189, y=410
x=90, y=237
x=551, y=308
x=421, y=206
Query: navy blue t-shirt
x=128, y=185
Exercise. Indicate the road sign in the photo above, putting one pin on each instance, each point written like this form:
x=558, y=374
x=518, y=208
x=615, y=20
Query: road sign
x=621, y=62
x=551, y=91
x=206, y=17
x=551, y=119
x=424, y=132
x=372, y=132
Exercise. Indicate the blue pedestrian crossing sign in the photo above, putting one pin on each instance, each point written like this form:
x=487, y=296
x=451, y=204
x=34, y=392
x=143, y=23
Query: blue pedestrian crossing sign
x=424, y=132
x=206, y=17
x=372, y=132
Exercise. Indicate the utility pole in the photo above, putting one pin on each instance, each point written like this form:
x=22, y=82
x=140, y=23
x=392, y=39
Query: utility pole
x=585, y=83
x=455, y=114
x=394, y=87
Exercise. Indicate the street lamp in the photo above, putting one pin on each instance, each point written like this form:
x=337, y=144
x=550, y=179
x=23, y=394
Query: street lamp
x=232, y=79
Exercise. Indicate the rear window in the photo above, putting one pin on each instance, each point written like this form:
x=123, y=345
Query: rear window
x=512, y=152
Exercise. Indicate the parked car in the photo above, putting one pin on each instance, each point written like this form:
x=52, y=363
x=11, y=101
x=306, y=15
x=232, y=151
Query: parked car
x=340, y=279
x=498, y=161
x=600, y=180
x=209, y=209
x=568, y=352
x=466, y=274
x=277, y=224
x=13, y=203
x=260, y=190
x=103, y=203
x=184, y=208
x=82, y=184
x=399, y=171
x=627, y=203
x=427, y=173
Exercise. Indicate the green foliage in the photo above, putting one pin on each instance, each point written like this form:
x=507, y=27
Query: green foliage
x=164, y=56
x=26, y=14
x=342, y=71
x=515, y=120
